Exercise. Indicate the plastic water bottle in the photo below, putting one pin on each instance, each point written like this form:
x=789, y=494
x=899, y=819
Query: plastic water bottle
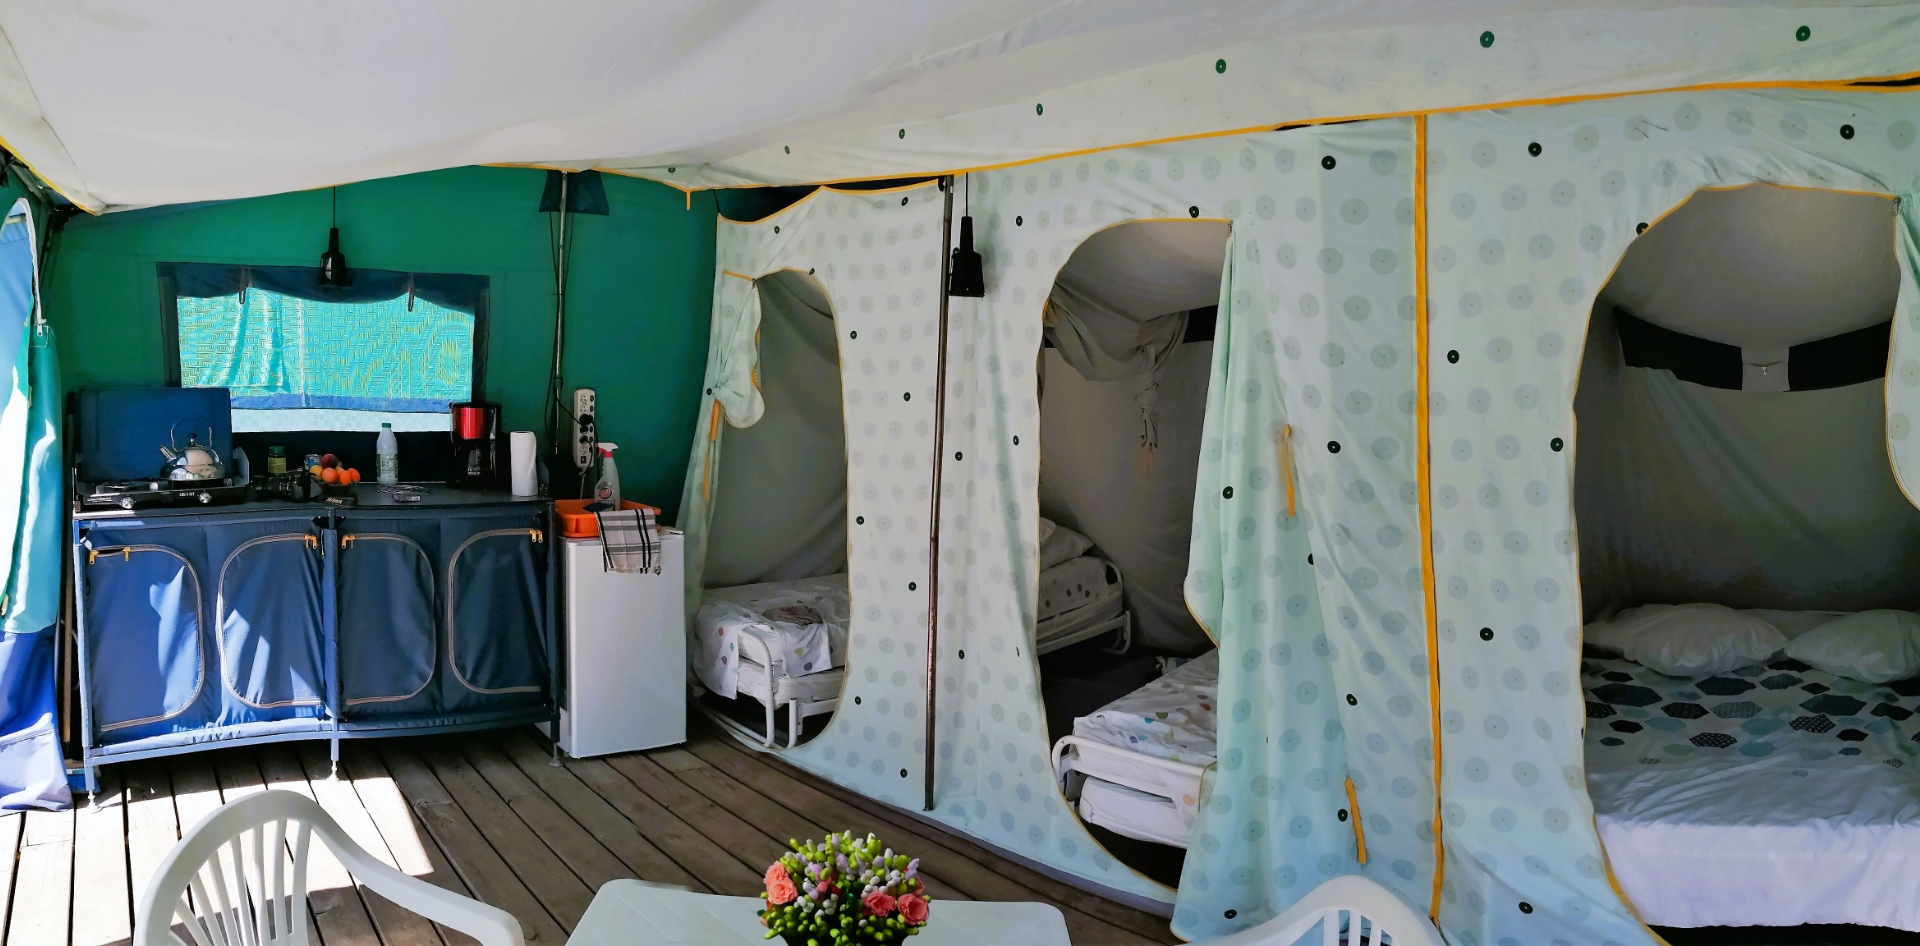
x=388, y=447
x=606, y=486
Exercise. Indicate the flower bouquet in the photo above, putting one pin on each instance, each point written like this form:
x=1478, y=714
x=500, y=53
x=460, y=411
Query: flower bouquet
x=844, y=891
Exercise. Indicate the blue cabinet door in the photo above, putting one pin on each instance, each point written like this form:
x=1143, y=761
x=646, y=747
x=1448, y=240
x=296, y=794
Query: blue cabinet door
x=494, y=609
x=268, y=619
x=388, y=618
x=145, y=642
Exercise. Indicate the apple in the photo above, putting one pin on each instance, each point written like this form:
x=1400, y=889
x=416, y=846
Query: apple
x=329, y=461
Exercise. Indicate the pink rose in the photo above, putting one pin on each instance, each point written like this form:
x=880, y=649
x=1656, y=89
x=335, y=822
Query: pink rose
x=779, y=886
x=913, y=909
x=878, y=903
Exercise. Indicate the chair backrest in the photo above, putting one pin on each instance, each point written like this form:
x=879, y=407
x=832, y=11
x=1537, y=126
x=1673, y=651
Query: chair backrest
x=1368, y=912
x=229, y=882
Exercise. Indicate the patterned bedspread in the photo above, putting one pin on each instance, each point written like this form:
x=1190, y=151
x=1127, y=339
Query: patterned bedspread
x=1717, y=750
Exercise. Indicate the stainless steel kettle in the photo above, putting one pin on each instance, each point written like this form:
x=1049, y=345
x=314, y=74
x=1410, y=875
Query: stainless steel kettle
x=195, y=461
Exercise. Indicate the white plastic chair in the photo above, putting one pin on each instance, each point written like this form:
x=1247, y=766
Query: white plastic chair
x=1370, y=914
x=234, y=865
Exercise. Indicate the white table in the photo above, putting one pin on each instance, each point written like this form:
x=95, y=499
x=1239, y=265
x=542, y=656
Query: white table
x=634, y=913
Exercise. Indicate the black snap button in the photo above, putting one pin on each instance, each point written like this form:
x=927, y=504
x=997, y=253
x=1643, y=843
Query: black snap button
x=809, y=270
x=1557, y=444
x=1019, y=221
x=1803, y=34
x=1328, y=162
x=776, y=229
x=963, y=655
x=669, y=170
x=1219, y=65
x=853, y=334
x=1343, y=814
x=1846, y=131
x=913, y=586
x=1453, y=357
x=709, y=392
x=903, y=201
x=1309, y=558
x=1486, y=633
x=1016, y=440
x=787, y=148
x=1640, y=229
x=1333, y=446
x=1039, y=109
x=1227, y=493
x=903, y=773
x=856, y=701
x=957, y=454
x=1486, y=40
x=1195, y=211
x=1526, y=907
x=907, y=396
x=1533, y=148
x=1352, y=700
x=859, y=520
x=903, y=132
x=1230, y=914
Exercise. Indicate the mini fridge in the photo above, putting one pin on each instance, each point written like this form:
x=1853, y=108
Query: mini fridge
x=625, y=651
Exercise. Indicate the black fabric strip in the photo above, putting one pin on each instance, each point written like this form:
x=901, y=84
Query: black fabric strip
x=1850, y=358
x=1701, y=361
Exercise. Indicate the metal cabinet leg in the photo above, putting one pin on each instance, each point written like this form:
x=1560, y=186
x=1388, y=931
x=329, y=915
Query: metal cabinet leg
x=333, y=757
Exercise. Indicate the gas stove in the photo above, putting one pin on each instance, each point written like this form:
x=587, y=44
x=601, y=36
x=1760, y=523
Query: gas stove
x=132, y=494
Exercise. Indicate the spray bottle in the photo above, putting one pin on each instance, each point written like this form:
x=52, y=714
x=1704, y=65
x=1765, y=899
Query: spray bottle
x=606, y=479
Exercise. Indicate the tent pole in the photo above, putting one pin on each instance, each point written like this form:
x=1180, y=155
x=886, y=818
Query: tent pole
x=556, y=417
x=939, y=456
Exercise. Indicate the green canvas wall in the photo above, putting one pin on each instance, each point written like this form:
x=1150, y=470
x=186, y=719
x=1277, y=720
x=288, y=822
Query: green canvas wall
x=639, y=293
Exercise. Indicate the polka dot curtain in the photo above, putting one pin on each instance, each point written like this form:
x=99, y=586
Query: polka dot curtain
x=1316, y=315
x=1529, y=213
x=877, y=256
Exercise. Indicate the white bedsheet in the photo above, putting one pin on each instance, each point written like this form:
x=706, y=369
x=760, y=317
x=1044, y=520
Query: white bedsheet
x=1171, y=718
x=727, y=615
x=1773, y=796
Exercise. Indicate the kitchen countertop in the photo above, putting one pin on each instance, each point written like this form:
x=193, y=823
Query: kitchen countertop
x=438, y=495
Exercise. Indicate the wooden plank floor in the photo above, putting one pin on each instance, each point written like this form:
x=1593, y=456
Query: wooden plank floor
x=487, y=816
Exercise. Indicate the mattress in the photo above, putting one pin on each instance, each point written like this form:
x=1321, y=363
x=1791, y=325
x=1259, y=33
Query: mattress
x=728, y=616
x=1138, y=760
x=1776, y=795
x=1171, y=718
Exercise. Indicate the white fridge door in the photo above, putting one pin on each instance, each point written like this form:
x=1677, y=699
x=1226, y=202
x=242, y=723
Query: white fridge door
x=626, y=653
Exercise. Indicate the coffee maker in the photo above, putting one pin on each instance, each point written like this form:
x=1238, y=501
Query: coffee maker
x=478, y=451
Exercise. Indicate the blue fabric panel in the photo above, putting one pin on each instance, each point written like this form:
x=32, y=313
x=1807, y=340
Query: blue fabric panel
x=268, y=596
x=122, y=429
x=147, y=656
x=32, y=774
x=206, y=280
x=494, y=586
x=388, y=632
x=33, y=591
x=16, y=292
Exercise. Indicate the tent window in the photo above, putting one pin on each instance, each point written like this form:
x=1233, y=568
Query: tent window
x=295, y=355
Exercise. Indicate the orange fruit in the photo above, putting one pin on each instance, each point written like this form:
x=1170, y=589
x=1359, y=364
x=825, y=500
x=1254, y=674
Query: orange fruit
x=353, y=475
x=330, y=475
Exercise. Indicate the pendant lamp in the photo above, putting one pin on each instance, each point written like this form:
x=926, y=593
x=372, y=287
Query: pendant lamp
x=333, y=263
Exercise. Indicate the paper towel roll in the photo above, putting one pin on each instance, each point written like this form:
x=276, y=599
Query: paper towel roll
x=521, y=448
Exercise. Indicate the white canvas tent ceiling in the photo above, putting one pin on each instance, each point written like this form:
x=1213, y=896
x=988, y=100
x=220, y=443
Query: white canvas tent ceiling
x=1142, y=270
x=1764, y=267
x=121, y=104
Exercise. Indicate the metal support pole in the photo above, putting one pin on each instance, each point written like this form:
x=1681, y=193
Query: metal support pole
x=939, y=462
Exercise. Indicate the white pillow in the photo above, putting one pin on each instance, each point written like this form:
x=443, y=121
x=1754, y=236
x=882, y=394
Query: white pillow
x=1059, y=543
x=1871, y=646
x=1794, y=623
x=1688, y=640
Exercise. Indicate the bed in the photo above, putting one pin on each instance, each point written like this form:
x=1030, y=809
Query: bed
x=743, y=648
x=1775, y=795
x=1134, y=765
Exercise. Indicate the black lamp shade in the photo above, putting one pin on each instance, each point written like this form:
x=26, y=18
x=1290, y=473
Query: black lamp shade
x=333, y=263
x=966, y=276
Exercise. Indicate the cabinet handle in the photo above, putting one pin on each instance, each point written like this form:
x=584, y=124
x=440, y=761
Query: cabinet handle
x=313, y=541
x=345, y=541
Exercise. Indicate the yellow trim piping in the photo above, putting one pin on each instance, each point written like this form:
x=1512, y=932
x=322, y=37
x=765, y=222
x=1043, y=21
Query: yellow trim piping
x=1359, y=834
x=1423, y=428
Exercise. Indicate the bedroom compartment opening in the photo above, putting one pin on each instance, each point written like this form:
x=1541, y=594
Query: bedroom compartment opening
x=1123, y=375
x=1749, y=566
x=772, y=623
